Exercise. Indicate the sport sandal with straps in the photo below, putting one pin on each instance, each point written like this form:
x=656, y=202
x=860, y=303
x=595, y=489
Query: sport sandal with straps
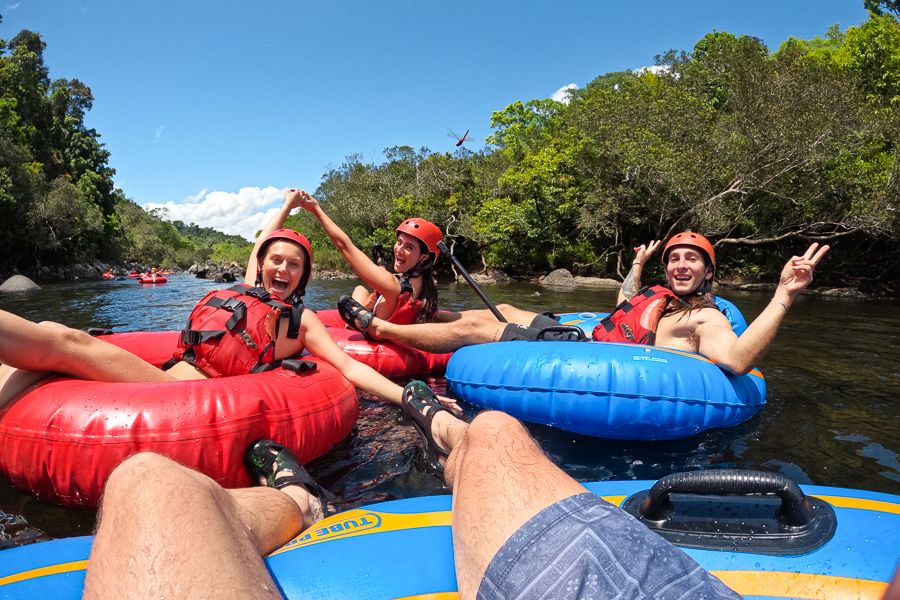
x=420, y=405
x=276, y=464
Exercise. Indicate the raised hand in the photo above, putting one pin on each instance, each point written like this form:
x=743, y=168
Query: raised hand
x=293, y=198
x=798, y=272
x=308, y=202
x=643, y=252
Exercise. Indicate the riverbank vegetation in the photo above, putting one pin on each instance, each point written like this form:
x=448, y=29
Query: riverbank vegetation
x=762, y=150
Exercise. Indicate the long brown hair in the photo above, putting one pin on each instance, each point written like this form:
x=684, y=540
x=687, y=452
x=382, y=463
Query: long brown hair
x=429, y=295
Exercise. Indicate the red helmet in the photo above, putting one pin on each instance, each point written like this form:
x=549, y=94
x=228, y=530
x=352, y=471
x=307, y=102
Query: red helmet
x=695, y=240
x=291, y=236
x=424, y=231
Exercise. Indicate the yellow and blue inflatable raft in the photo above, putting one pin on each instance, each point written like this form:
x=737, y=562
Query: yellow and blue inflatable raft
x=848, y=549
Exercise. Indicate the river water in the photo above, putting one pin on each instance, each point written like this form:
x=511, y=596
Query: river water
x=832, y=416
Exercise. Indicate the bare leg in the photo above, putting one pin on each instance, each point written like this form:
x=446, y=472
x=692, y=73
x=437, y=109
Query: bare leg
x=168, y=531
x=509, y=312
x=51, y=347
x=500, y=479
x=361, y=295
x=440, y=337
x=14, y=381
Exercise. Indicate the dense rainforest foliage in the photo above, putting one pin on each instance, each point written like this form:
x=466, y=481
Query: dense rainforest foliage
x=57, y=198
x=764, y=151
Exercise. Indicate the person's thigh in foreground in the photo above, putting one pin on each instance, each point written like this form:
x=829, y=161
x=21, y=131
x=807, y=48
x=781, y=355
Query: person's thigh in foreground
x=166, y=531
x=522, y=528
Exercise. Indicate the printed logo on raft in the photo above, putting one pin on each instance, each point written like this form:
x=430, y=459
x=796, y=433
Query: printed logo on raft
x=353, y=523
x=645, y=357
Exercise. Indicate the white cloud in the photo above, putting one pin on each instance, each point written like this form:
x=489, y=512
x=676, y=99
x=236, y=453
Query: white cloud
x=242, y=213
x=655, y=69
x=159, y=132
x=563, y=94
x=14, y=6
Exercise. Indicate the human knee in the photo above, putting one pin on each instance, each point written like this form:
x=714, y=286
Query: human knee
x=149, y=474
x=492, y=425
x=132, y=474
x=360, y=294
x=471, y=326
x=66, y=337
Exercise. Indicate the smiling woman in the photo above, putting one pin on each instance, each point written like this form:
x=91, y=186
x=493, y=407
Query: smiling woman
x=231, y=334
x=408, y=295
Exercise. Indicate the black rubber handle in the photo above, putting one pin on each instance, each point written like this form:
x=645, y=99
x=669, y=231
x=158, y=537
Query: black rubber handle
x=443, y=248
x=576, y=331
x=795, y=510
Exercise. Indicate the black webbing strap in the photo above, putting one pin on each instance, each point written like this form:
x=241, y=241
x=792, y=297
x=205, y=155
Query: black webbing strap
x=293, y=331
x=254, y=292
x=405, y=285
x=192, y=337
x=299, y=366
x=625, y=307
x=233, y=305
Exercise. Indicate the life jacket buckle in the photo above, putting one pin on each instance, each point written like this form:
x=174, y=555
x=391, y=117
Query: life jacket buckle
x=258, y=293
x=232, y=304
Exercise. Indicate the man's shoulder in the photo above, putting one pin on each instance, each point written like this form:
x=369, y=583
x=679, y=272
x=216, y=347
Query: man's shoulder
x=712, y=314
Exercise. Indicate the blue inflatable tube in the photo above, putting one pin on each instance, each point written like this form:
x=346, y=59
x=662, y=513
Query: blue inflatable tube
x=404, y=549
x=617, y=391
x=588, y=320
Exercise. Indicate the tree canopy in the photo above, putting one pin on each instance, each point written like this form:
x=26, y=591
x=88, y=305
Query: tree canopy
x=762, y=150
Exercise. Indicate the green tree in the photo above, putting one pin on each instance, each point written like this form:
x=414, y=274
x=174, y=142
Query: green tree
x=879, y=6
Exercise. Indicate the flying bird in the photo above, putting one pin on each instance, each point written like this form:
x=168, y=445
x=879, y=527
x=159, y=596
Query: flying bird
x=459, y=140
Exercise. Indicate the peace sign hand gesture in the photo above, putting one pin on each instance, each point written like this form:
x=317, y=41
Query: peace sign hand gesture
x=798, y=272
x=645, y=251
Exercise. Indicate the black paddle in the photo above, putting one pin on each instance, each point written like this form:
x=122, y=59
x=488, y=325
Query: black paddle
x=443, y=248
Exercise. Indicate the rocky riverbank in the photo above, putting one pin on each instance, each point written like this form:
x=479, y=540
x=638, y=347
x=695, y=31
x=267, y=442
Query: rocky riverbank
x=80, y=271
x=230, y=272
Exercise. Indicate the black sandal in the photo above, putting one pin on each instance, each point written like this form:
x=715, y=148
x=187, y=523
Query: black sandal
x=280, y=468
x=420, y=405
x=354, y=314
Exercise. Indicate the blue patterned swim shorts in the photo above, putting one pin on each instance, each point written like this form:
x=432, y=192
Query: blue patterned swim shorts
x=584, y=547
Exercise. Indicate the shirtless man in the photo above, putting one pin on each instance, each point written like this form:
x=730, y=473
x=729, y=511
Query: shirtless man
x=685, y=318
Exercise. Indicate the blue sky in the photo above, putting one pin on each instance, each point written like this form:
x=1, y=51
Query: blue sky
x=212, y=107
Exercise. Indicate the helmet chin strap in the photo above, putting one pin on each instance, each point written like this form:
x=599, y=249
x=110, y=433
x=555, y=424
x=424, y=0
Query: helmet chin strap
x=706, y=286
x=425, y=261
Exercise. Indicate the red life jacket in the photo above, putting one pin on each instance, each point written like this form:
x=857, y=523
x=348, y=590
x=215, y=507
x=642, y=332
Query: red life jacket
x=635, y=321
x=407, y=310
x=233, y=331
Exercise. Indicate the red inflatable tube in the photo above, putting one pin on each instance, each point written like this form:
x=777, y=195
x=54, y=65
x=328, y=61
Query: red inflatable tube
x=389, y=359
x=62, y=439
x=151, y=279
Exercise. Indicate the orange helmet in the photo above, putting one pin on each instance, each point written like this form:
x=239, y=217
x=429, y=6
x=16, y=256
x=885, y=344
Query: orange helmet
x=694, y=240
x=291, y=236
x=425, y=231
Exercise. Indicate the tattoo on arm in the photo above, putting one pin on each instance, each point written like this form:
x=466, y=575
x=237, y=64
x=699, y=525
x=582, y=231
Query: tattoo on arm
x=631, y=284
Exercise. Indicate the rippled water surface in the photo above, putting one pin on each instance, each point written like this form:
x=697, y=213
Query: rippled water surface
x=832, y=417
